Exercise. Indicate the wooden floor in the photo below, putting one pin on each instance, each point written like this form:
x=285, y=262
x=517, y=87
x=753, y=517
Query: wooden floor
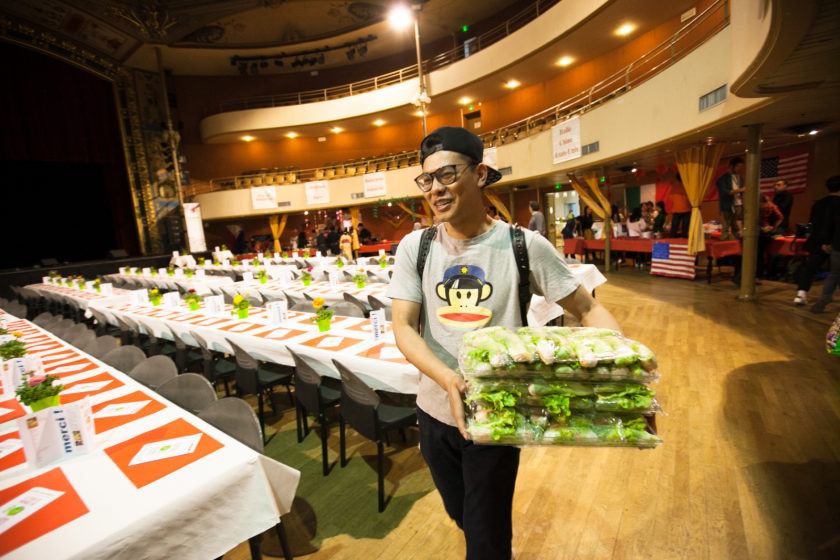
x=749, y=468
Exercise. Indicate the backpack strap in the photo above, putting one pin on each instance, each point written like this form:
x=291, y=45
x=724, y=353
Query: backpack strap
x=523, y=266
x=425, y=247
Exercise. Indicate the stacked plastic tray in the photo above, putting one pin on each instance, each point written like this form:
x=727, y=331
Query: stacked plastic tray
x=559, y=386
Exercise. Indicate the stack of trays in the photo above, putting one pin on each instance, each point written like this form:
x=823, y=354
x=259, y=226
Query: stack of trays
x=559, y=386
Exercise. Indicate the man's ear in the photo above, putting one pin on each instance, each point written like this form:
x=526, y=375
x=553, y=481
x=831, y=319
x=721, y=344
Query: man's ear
x=441, y=291
x=481, y=172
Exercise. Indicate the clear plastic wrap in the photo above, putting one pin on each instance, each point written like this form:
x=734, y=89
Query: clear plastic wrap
x=532, y=426
x=581, y=353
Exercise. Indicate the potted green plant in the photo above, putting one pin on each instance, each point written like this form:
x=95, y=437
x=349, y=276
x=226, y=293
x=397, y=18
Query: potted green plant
x=170, y=271
x=234, y=262
x=262, y=275
x=193, y=300
x=383, y=261
x=189, y=272
x=39, y=392
x=360, y=279
x=285, y=255
x=200, y=261
x=240, y=307
x=13, y=349
x=224, y=248
x=306, y=254
x=306, y=276
x=322, y=316
x=338, y=262
x=80, y=282
x=53, y=274
x=154, y=296
x=97, y=285
x=217, y=263
x=139, y=271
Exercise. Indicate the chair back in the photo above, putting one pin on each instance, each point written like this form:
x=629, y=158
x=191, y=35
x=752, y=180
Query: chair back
x=292, y=301
x=190, y=391
x=43, y=318
x=304, y=307
x=347, y=309
x=236, y=418
x=82, y=339
x=17, y=309
x=60, y=326
x=307, y=383
x=124, y=358
x=125, y=331
x=373, y=260
x=206, y=353
x=246, y=370
x=101, y=321
x=101, y=346
x=376, y=303
x=357, y=302
x=307, y=297
x=151, y=334
x=52, y=322
x=154, y=372
x=73, y=332
x=358, y=403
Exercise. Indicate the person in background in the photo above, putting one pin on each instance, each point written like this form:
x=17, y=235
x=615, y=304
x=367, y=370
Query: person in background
x=293, y=239
x=364, y=235
x=334, y=240
x=301, y=242
x=831, y=247
x=729, y=199
x=647, y=213
x=493, y=213
x=659, y=219
x=585, y=223
x=346, y=243
x=321, y=242
x=680, y=209
x=537, y=222
x=784, y=202
x=769, y=219
x=635, y=224
x=821, y=213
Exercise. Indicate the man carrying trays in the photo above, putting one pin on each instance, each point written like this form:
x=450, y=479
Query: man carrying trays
x=470, y=272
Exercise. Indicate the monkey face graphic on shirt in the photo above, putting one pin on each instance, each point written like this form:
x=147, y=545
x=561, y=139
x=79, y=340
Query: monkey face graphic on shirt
x=463, y=288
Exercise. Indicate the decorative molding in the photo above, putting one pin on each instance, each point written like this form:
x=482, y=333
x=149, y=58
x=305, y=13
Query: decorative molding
x=150, y=19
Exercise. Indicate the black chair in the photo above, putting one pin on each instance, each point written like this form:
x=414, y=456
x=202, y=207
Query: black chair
x=154, y=372
x=136, y=335
x=82, y=339
x=155, y=346
x=103, y=327
x=292, y=301
x=347, y=309
x=190, y=391
x=100, y=347
x=236, y=418
x=72, y=332
x=216, y=367
x=363, y=410
x=124, y=358
x=312, y=397
x=184, y=357
x=358, y=303
x=303, y=307
x=43, y=319
x=60, y=327
x=251, y=379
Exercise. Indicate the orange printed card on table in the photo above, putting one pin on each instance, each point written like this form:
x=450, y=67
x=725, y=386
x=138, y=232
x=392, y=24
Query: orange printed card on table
x=385, y=351
x=90, y=386
x=332, y=342
x=10, y=409
x=143, y=473
x=60, y=356
x=11, y=451
x=366, y=327
x=80, y=365
x=242, y=327
x=335, y=320
x=278, y=332
x=122, y=410
x=41, y=504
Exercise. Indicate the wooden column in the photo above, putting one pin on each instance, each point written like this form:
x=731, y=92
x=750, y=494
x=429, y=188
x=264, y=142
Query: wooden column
x=750, y=233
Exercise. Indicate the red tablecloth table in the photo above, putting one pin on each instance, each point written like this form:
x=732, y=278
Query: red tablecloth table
x=384, y=245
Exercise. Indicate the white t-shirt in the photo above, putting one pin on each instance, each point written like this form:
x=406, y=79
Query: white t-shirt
x=635, y=229
x=737, y=198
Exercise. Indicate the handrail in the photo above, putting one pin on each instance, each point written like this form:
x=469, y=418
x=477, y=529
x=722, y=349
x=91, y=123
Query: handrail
x=442, y=60
x=628, y=77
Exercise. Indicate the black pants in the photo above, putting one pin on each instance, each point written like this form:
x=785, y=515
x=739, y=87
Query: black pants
x=476, y=483
x=764, y=240
x=812, y=266
x=679, y=223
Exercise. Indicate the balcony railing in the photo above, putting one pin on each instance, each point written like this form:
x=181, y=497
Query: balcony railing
x=687, y=39
x=442, y=60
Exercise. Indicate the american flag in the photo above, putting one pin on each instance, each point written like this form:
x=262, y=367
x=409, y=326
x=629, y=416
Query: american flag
x=793, y=167
x=670, y=259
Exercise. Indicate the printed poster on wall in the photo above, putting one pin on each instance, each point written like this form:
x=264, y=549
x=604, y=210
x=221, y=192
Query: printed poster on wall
x=374, y=184
x=317, y=192
x=263, y=198
x=565, y=140
x=195, y=228
x=490, y=158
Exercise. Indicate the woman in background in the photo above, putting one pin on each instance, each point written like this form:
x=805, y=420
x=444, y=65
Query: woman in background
x=585, y=223
x=659, y=219
x=635, y=226
x=347, y=246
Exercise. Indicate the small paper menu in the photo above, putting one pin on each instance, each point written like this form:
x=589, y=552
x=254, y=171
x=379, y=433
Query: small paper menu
x=162, y=271
x=377, y=323
x=276, y=256
x=295, y=255
x=200, y=274
x=278, y=312
x=248, y=277
x=56, y=432
x=89, y=285
x=139, y=297
x=106, y=289
x=172, y=300
x=215, y=305
x=381, y=253
x=166, y=449
x=390, y=353
x=176, y=254
x=179, y=273
x=333, y=279
x=330, y=342
x=18, y=509
x=147, y=271
x=121, y=409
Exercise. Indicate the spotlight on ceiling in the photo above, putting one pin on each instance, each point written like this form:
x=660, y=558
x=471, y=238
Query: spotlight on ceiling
x=278, y=62
x=464, y=101
x=565, y=61
x=313, y=61
x=351, y=54
x=379, y=123
x=254, y=69
x=321, y=59
x=625, y=29
x=813, y=132
x=512, y=84
x=363, y=50
x=295, y=63
x=292, y=135
x=336, y=130
x=247, y=138
x=243, y=68
x=400, y=16
x=264, y=64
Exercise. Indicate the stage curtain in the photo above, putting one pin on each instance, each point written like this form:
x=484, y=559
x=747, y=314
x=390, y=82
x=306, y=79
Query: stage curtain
x=278, y=224
x=697, y=166
x=500, y=206
x=354, y=214
x=592, y=180
x=584, y=196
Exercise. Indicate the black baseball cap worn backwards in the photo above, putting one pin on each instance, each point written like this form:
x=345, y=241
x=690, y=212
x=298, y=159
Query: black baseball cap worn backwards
x=460, y=140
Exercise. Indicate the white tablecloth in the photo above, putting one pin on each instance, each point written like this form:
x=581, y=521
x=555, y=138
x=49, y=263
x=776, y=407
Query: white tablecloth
x=359, y=351
x=199, y=511
x=200, y=285
x=83, y=297
x=332, y=295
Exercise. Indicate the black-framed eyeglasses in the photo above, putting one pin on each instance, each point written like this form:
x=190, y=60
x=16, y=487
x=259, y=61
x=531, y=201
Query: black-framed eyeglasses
x=445, y=175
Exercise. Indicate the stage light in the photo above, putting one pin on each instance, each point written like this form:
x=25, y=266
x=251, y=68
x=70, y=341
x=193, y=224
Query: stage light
x=363, y=51
x=557, y=187
x=813, y=132
x=351, y=54
x=512, y=84
x=264, y=64
x=278, y=62
x=633, y=170
x=565, y=61
x=379, y=123
x=248, y=138
x=291, y=135
x=464, y=100
x=321, y=59
x=306, y=212
x=400, y=16
x=625, y=29
x=336, y=130
x=389, y=204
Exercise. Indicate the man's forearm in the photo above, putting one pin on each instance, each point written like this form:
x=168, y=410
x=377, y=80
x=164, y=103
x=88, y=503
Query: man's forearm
x=418, y=353
x=598, y=316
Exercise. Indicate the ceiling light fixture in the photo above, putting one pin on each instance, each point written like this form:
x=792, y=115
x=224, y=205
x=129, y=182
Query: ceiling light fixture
x=321, y=59
x=363, y=50
x=813, y=132
x=254, y=69
x=351, y=54
x=512, y=84
x=278, y=62
x=336, y=130
x=306, y=212
x=625, y=29
x=633, y=170
x=400, y=16
x=465, y=101
x=420, y=113
x=291, y=135
x=379, y=123
x=247, y=138
x=565, y=61
x=389, y=204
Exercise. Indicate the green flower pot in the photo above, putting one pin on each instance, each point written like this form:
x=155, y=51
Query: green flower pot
x=307, y=282
x=45, y=403
x=171, y=274
x=340, y=265
x=324, y=325
x=189, y=274
x=98, y=290
x=194, y=306
x=360, y=285
x=263, y=280
x=242, y=313
x=155, y=301
x=383, y=265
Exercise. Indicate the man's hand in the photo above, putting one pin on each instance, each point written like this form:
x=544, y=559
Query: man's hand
x=826, y=248
x=767, y=229
x=456, y=387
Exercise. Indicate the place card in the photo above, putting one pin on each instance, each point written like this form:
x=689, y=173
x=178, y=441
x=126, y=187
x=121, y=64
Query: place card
x=15, y=511
x=381, y=253
x=56, y=432
x=106, y=289
x=172, y=300
x=90, y=285
x=163, y=272
x=334, y=279
x=377, y=323
x=176, y=254
x=200, y=274
x=248, y=278
x=330, y=342
x=147, y=272
x=218, y=250
x=295, y=255
x=278, y=312
x=123, y=270
x=215, y=305
x=46, y=280
x=226, y=262
x=139, y=297
x=179, y=273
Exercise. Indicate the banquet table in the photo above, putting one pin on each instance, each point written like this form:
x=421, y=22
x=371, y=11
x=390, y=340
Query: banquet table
x=200, y=285
x=83, y=297
x=375, y=248
x=349, y=340
x=197, y=505
x=331, y=294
